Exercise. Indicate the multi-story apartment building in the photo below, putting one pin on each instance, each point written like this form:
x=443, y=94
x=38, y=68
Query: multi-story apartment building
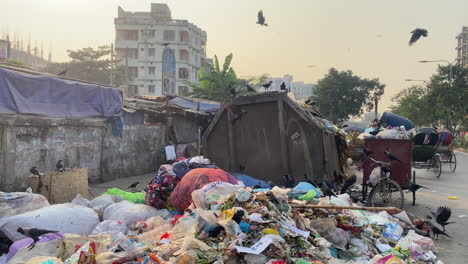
x=462, y=47
x=161, y=54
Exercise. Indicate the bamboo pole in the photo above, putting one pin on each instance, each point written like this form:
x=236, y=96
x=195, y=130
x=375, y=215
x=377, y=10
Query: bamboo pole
x=390, y=210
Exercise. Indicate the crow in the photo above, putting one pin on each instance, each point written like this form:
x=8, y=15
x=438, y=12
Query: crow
x=59, y=166
x=34, y=171
x=165, y=44
x=368, y=152
x=442, y=216
x=416, y=34
x=267, y=85
x=33, y=233
x=348, y=183
x=237, y=217
x=310, y=102
x=288, y=181
x=63, y=73
x=327, y=189
x=391, y=157
x=241, y=168
x=5, y=243
x=261, y=19
x=283, y=87
x=250, y=89
x=413, y=187
x=133, y=185
x=436, y=231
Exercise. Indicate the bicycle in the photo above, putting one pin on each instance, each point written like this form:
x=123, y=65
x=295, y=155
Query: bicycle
x=386, y=192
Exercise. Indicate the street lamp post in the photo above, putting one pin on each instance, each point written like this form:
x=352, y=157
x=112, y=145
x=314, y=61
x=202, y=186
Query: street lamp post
x=450, y=67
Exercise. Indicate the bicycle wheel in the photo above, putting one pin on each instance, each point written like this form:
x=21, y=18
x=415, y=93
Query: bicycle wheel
x=436, y=166
x=452, y=161
x=387, y=193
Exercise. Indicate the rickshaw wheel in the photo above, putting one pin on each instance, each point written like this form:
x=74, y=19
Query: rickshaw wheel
x=437, y=166
x=452, y=161
x=387, y=193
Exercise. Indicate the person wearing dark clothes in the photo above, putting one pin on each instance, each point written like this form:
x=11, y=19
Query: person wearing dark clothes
x=390, y=119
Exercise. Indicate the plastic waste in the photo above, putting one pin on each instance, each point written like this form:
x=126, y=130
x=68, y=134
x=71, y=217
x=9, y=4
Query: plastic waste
x=309, y=196
x=102, y=202
x=15, y=203
x=213, y=193
x=71, y=242
x=249, y=181
x=130, y=212
x=393, y=230
x=18, y=250
x=65, y=218
x=44, y=260
x=115, y=228
x=79, y=200
x=137, y=197
x=305, y=187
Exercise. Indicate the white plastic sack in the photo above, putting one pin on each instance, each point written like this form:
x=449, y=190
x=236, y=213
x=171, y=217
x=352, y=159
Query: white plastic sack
x=100, y=203
x=199, y=160
x=115, y=228
x=374, y=177
x=213, y=192
x=20, y=202
x=64, y=218
x=130, y=212
x=79, y=200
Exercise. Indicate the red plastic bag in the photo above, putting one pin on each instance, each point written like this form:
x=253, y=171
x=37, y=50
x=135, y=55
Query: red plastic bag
x=181, y=197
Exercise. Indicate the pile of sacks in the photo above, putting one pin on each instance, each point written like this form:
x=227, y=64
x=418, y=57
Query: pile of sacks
x=225, y=223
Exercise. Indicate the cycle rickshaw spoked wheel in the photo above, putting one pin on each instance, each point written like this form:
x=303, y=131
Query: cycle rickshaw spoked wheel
x=387, y=193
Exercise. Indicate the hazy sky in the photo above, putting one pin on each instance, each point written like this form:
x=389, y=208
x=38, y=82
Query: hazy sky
x=325, y=33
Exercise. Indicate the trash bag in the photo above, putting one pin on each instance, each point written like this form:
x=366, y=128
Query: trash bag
x=251, y=181
x=181, y=197
x=18, y=245
x=137, y=197
x=102, y=202
x=213, y=193
x=130, y=212
x=44, y=260
x=64, y=218
x=115, y=228
x=20, y=202
x=79, y=200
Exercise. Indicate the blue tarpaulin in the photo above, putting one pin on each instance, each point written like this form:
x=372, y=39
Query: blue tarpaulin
x=55, y=97
x=204, y=107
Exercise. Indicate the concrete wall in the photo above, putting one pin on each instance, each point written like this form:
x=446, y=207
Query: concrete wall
x=27, y=141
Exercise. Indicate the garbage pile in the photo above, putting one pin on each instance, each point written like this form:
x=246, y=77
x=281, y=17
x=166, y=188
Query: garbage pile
x=225, y=222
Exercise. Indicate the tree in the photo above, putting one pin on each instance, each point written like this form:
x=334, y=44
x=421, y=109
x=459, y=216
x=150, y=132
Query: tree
x=341, y=94
x=218, y=83
x=89, y=64
x=414, y=104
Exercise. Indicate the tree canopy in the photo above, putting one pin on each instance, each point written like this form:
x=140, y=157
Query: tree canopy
x=439, y=100
x=90, y=64
x=341, y=94
x=219, y=83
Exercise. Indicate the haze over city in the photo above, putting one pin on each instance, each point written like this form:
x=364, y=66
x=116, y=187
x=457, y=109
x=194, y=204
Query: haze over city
x=368, y=37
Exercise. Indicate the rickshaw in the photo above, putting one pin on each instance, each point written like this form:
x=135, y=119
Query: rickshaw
x=424, y=150
x=445, y=148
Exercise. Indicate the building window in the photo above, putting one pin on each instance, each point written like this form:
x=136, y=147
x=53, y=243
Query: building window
x=182, y=90
x=151, y=52
x=151, y=70
x=132, y=90
x=184, y=36
x=142, y=67
x=203, y=46
x=127, y=34
x=133, y=72
x=183, y=73
x=183, y=55
x=142, y=49
x=151, y=33
x=169, y=35
x=151, y=89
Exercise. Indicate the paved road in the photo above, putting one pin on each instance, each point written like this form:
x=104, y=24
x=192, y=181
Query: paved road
x=454, y=250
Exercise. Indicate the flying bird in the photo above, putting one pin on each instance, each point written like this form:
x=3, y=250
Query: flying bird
x=59, y=166
x=328, y=190
x=33, y=233
x=348, y=183
x=391, y=157
x=267, y=85
x=283, y=87
x=34, y=171
x=133, y=185
x=250, y=89
x=436, y=231
x=63, y=73
x=261, y=19
x=416, y=34
x=311, y=66
x=442, y=216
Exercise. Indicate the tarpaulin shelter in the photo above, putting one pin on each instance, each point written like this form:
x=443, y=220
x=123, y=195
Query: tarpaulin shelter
x=270, y=134
x=28, y=92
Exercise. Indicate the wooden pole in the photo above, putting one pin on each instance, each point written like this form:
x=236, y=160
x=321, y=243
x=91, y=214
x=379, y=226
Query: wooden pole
x=391, y=210
x=376, y=108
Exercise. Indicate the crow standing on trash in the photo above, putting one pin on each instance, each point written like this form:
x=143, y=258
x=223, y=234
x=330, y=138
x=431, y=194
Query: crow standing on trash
x=436, y=231
x=33, y=233
x=5, y=243
x=34, y=171
x=348, y=183
x=327, y=189
x=59, y=166
x=416, y=34
x=261, y=19
x=133, y=185
x=442, y=216
x=288, y=181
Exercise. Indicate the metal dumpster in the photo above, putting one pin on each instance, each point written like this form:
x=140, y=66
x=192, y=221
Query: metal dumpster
x=400, y=148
